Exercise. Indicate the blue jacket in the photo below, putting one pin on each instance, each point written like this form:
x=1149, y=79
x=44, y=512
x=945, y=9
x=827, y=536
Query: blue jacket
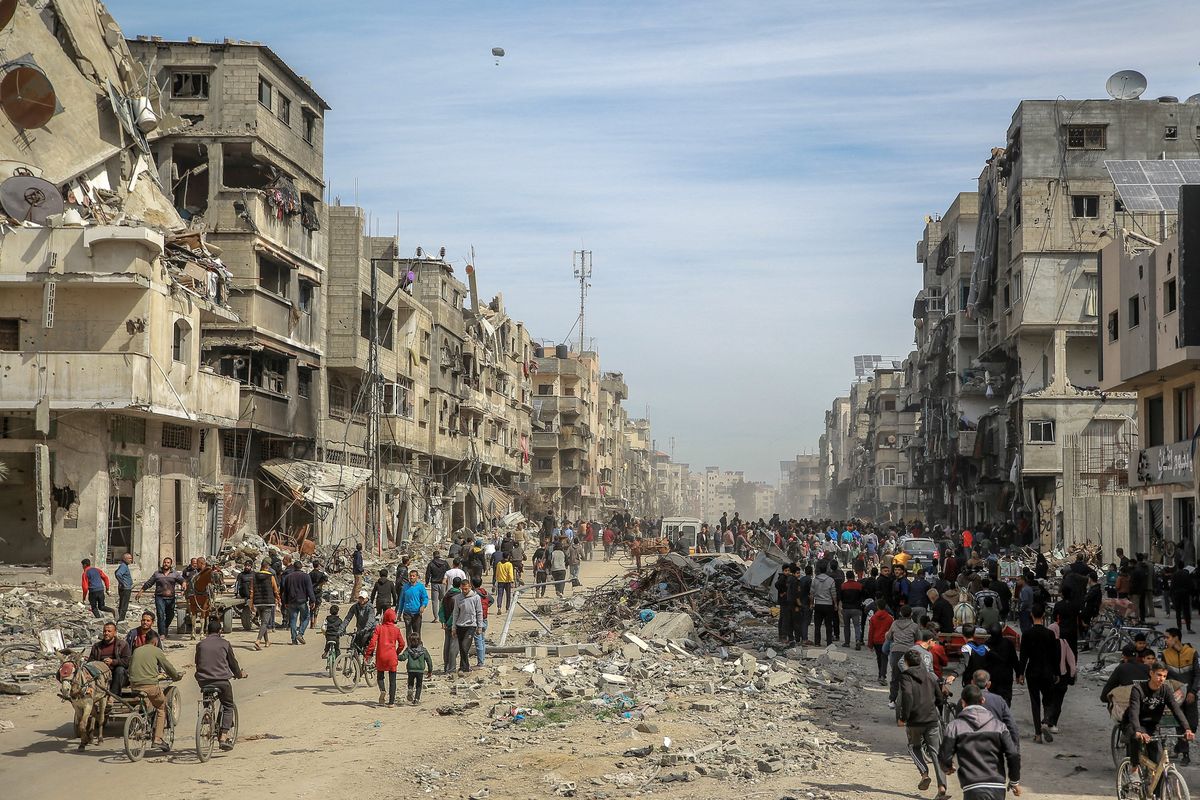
x=124, y=576
x=414, y=598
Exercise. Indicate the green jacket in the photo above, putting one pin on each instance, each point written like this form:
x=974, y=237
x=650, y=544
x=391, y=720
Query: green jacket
x=446, y=610
x=418, y=659
x=146, y=664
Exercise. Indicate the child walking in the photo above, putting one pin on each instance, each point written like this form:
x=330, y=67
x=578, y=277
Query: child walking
x=420, y=666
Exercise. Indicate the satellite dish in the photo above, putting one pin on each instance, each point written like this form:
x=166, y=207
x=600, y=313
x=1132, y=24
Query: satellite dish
x=27, y=97
x=30, y=199
x=8, y=8
x=498, y=52
x=1128, y=84
x=1194, y=100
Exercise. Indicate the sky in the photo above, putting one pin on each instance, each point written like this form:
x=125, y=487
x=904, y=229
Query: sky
x=751, y=178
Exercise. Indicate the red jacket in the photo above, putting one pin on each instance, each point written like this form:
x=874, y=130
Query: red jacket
x=877, y=628
x=387, y=643
x=84, y=578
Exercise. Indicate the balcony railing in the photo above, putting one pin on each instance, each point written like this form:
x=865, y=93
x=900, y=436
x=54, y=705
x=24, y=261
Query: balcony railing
x=81, y=380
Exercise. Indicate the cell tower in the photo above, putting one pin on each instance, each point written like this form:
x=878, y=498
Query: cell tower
x=581, y=261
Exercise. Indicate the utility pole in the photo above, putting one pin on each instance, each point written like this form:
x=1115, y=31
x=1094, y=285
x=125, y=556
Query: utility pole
x=375, y=499
x=581, y=260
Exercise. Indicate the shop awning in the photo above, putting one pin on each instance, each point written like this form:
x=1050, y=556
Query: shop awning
x=314, y=482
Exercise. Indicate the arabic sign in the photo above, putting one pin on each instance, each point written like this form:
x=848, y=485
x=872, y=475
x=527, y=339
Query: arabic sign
x=1170, y=463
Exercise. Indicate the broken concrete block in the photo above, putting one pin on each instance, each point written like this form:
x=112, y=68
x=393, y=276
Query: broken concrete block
x=590, y=649
x=748, y=663
x=776, y=679
x=616, y=680
x=772, y=765
x=646, y=727
x=636, y=640
x=705, y=705
x=669, y=625
x=567, y=650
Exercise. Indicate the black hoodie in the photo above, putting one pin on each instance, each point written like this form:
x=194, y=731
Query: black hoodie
x=984, y=749
x=435, y=570
x=919, y=698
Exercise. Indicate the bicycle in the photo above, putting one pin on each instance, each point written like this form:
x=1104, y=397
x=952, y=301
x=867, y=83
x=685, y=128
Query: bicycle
x=208, y=724
x=1117, y=742
x=139, y=725
x=349, y=669
x=1159, y=779
x=1121, y=635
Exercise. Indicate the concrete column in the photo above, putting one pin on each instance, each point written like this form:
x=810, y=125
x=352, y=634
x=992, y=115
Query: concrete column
x=1058, y=380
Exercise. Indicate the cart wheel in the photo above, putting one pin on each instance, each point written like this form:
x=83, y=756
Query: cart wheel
x=227, y=621
x=137, y=736
x=247, y=619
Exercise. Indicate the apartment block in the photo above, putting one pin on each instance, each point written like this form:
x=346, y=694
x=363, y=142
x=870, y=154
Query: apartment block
x=566, y=407
x=247, y=170
x=800, y=486
x=1150, y=344
x=108, y=411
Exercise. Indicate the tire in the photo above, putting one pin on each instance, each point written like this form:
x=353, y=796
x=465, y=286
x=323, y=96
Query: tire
x=206, y=733
x=172, y=695
x=227, y=621
x=1124, y=778
x=247, y=619
x=1116, y=743
x=137, y=736
x=1174, y=786
x=233, y=732
x=346, y=673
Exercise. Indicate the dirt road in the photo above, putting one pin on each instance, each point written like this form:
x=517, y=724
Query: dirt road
x=302, y=738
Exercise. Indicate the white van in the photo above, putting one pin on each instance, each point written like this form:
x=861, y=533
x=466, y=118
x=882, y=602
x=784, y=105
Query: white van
x=687, y=527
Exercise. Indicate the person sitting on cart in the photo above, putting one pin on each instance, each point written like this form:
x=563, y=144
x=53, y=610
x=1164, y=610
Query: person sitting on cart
x=144, y=668
x=1148, y=701
x=137, y=636
x=216, y=666
x=113, y=651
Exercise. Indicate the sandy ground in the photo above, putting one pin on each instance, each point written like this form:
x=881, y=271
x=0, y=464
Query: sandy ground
x=302, y=738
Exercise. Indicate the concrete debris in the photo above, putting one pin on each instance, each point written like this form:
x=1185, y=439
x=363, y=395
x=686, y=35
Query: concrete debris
x=6, y=725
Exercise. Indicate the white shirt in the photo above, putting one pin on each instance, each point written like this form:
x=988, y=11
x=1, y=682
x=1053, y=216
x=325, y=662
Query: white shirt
x=451, y=574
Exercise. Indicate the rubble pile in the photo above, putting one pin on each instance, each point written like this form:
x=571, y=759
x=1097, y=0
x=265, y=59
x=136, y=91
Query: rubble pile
x=24, y=614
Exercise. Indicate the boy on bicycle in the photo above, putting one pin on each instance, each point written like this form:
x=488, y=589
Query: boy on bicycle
x=1148, y=701
x=333, y=632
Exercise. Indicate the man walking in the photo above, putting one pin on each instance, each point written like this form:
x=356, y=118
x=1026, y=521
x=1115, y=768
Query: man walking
x=468, y=623
x=1038, y=669
x=850, y=594
x=918, y=711
x=264, y=599
x=435, y=571
x=413, y=601
x=903, y=637
x=824, y=598
x=124, y=585
x=299, y=596
x=95, y=584
x=356, y=567
x=989, y=762
x=165, y=581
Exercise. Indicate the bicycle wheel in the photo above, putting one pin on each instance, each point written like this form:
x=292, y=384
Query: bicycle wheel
x=1110, y=645
x=1174, y=787
x=346, y=672
x=137, y=736
x=1124, y=781
x=1116, y=743
x=233, y=730
x=1156, y=641
x=206, y=732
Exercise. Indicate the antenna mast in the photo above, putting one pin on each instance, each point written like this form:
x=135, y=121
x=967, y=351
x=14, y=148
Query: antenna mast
x=581, y=261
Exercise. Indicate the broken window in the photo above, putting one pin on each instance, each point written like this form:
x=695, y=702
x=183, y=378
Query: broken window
x=397, y=398
x=1135, y=312
x=285, y=110
x=309, y=120
x=128, y=430
x=233, y=443
x=304, y=381
x=307, y=290
x=189, y=178
x=10, y=334
x=1114, y=331
x=386, y=323
x=339, y=399
x=274, y=276
x=1085, y=137
x=181, y=340
x=240, y=169
x=265, y=90
x=1085, y=205
x=1170, y=297
x=269, y=372
x=1041, y=431
x=176, y=437
x=189, y=85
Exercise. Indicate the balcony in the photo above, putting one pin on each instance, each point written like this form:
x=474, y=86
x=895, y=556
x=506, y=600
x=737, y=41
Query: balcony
x=405, y=432
x=570, y=367
x=277, y=315
x=966, y=443
x=452, y=448
x=88, y=380
x=545, y=440
x=102, y=252
x=287, y=232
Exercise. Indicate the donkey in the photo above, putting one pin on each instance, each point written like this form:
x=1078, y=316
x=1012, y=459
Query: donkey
x=85, y=685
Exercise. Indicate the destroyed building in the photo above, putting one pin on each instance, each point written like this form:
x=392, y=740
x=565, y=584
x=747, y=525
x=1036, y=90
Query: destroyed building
x=248, y=170
x=107, y=402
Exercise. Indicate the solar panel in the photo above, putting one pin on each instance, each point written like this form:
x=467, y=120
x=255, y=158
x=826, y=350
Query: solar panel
x=1152, y=186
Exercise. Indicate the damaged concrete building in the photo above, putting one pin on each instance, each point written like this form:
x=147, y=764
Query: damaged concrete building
x=108, y=410
x=247, y=170
x=1016, y=430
